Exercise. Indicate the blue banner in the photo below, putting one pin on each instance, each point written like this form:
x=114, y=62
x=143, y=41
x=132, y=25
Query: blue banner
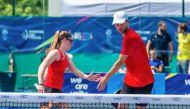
x=74, y=84
x=159, y=83
x=164, y=84
x=177, y=84
x=116, y=81
x=92, y=34
x=21, y=33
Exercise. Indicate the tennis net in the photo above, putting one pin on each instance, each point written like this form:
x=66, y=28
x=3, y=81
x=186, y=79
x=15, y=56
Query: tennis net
x=91, y=101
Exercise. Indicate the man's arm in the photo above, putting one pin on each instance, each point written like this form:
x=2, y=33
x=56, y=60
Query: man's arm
x=114, y=69
x=148, y=46
x=171, y=51
x=117, y=65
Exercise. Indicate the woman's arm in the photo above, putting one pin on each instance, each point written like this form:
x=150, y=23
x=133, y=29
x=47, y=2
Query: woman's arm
x=50, y=58
x=80, y=74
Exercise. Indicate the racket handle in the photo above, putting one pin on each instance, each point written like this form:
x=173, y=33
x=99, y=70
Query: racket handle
x=36, y=85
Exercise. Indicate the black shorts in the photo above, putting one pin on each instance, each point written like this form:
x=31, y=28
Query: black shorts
x=51, y=90
x=137, y=90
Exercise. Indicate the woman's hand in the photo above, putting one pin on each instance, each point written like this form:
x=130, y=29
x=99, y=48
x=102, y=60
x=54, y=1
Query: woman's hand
x=92, y=77
x=39, y=87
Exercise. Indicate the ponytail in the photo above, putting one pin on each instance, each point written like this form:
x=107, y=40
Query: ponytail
x=54, y=43
x=59, y=35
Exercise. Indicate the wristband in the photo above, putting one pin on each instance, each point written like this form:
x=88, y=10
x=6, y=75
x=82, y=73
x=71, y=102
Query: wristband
x=41, y=84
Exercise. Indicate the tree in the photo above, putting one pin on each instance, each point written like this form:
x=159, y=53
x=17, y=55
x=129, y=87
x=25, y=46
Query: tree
x=24, y=7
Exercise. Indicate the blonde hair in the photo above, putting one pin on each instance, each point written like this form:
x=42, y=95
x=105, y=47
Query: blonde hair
x=58, y=36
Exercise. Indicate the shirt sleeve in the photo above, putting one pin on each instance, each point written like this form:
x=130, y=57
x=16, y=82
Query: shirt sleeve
x=151, y=37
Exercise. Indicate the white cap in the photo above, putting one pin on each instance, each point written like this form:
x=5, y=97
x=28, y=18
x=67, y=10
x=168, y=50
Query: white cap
x=119, y=17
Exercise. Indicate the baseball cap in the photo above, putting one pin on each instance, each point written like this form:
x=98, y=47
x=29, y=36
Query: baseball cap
x=119, y=17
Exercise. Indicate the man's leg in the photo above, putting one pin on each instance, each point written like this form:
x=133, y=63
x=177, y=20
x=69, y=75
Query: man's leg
x=125, y=90
x=185, y=66
x=179, y=67
x=143, y=90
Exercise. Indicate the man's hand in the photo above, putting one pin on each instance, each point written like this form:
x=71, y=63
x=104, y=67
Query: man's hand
x=102, y=84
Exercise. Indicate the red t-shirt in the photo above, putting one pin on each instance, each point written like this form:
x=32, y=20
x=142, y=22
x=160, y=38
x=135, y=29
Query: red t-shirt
x=55, y=74
x=139, y=73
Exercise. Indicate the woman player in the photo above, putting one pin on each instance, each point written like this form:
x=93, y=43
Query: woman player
x=51, y=71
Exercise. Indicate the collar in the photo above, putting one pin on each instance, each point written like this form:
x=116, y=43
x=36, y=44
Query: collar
x=126, y=31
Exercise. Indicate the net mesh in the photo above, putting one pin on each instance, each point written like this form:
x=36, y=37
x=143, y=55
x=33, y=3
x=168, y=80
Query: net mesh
x=92, y=101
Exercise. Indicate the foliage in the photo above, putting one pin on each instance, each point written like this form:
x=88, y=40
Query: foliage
x=24, y=7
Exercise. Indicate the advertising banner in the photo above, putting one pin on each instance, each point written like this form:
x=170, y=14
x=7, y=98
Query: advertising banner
x=91, y=34
x=178, y=84
x=74, y=84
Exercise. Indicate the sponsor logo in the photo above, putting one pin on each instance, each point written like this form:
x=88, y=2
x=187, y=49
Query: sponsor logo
x=79, y=98
x=83, y=35
x=32, y=34
x=61, y=97
x=5, y=96
x=98, y=97
x=156, y=99
x=137, y=98
x=23, y=96
x=117, y=98
x=41, y=97
x=177, y=99
x=25, y=34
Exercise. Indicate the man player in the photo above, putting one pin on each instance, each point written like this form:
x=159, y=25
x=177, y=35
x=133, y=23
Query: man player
x=139, y=77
